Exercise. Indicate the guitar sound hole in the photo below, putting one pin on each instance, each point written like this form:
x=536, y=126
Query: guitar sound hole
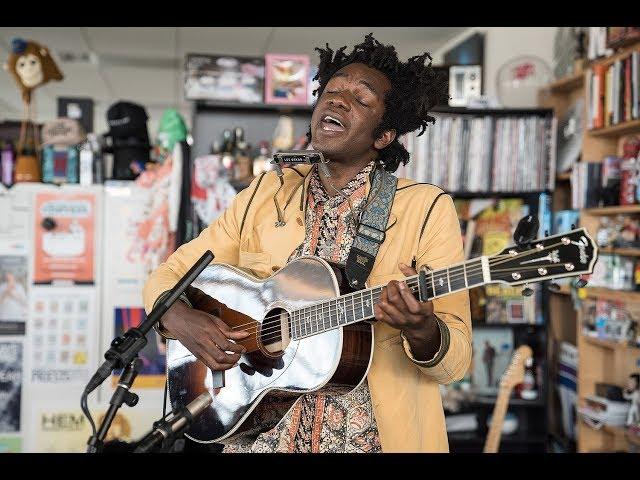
x=274, y=332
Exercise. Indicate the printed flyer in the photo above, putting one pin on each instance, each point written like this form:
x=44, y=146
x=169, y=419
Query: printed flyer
x=64, y=430
x=10, y=445
x=14, y=302
x=63, y=338
x=64, y=237
x=10, y=386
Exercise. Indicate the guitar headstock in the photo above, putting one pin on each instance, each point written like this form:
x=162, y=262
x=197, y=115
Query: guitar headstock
x=514, y=374
x=567, y=254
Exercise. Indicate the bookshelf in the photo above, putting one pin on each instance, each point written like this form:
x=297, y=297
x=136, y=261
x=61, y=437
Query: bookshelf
x=599, y=360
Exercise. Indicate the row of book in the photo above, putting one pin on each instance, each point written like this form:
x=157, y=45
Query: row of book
x=613, y=92
x=586, y=180
x=469, y=153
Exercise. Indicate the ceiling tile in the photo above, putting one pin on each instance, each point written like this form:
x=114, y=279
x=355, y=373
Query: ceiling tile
x=130, y=41
x=223, y=40
x=155, y=86
x=55, y=38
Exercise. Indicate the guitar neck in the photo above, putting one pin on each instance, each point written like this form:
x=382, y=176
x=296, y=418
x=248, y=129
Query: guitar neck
x=358, y=306
x=495, y=430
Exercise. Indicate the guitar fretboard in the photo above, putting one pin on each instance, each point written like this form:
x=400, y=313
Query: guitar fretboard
x=358, y=306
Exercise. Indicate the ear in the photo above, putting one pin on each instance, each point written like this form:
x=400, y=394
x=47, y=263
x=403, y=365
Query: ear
x=385, y=139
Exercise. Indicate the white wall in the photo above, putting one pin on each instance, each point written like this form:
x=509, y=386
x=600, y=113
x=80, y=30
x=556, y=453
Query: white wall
x=505, y=43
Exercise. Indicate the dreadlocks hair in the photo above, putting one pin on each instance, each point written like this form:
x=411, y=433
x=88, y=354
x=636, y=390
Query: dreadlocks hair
x=415, y=88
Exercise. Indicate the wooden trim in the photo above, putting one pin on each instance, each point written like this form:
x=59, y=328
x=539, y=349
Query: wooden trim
x=567, y=84
x=615, y=210
x=622, y=53
x=627, y=252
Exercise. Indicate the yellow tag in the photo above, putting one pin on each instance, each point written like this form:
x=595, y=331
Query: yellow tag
x=494, y=242
x=582, y=293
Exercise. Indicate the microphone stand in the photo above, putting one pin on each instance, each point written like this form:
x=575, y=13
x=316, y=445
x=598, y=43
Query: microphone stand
x=124, y=349
x=120, y=396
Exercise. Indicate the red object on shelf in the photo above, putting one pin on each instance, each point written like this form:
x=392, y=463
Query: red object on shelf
x=628, y=170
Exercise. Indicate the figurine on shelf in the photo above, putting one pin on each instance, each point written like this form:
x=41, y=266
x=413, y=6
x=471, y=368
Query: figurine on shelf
x=632, y=393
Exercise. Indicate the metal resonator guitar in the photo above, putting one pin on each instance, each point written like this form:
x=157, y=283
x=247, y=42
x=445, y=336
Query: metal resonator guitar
x=309, y=335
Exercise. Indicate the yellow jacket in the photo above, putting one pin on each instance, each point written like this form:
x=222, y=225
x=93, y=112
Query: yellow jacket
x=405, y=392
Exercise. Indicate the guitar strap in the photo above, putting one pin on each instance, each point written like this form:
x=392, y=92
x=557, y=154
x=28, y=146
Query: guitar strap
x=371, y=228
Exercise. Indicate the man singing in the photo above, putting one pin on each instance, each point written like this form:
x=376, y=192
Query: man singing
x=367, y=99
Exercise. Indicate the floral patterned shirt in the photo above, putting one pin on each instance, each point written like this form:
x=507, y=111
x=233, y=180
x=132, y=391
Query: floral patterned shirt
x=320, y=422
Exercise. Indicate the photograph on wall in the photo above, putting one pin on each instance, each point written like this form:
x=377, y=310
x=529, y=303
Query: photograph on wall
x=10, y=386
x=63, y=331
x=153, y=355
x=64, y=232
x=286, y=79
x=10, y=444
x=492, y=349
x=14, y=302
x=224, y=78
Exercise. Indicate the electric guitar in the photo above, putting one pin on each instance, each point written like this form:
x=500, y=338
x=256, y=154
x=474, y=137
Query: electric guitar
x=308, y=335
x=513, y=376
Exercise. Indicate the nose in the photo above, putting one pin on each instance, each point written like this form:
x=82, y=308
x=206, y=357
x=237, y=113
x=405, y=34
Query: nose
x=339, y=101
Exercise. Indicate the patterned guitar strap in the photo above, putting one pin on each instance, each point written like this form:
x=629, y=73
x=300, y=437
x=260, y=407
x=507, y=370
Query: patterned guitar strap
x=371, y=229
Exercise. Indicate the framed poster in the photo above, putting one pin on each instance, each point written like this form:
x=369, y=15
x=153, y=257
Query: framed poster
x=224, y=78
x=64, y=237
x=286, y=79
x=492, y=349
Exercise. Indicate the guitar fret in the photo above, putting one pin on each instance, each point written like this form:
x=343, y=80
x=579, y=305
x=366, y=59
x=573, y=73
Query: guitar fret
x=433, y=284
x=464, y=270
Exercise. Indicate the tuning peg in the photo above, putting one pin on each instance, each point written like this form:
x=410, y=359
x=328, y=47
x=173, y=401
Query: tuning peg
x=573, y=226
x=580, y=283
x=526, y=291
x=546, y=233
x=554, y=287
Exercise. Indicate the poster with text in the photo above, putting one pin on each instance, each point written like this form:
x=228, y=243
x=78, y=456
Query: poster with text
x=10, y=386
x=60, y=430
x=153, y=355
x=63, y=332
x=15, y=214
x=10, y=444
x=14, y=302
x=64, y=237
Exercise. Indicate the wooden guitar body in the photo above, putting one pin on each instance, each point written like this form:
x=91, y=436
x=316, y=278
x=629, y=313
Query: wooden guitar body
x=274, y=363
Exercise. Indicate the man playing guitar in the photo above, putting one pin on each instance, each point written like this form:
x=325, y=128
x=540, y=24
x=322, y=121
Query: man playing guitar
x=366, y=100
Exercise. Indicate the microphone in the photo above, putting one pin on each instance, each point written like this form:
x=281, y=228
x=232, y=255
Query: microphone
x=175, y=425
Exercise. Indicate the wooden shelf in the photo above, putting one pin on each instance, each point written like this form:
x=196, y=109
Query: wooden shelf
x=568, y=83
x=605, y=343
x=632, y=126
x=609, y=294
x=627, y=252
x=564, y=176
x=622, y=53
x=203, y=105
x=622, y=433
x=564, y=290
x=619, y=209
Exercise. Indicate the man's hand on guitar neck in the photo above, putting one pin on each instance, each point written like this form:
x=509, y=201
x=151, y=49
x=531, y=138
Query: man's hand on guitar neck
x=204, y=335
x=400, y=309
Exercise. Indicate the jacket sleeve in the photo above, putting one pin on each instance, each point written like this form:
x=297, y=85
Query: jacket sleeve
x=439, y=247
x=222, y=237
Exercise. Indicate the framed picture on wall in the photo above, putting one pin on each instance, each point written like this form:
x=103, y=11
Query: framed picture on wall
x=286, y=79
x=224, y=78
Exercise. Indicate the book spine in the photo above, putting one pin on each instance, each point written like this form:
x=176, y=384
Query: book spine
x=627, y=89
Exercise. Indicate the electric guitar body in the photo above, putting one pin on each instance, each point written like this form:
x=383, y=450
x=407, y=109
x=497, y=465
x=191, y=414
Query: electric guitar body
x=274, y=363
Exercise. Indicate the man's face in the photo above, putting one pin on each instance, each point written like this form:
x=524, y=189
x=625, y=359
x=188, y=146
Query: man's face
x=347, y=113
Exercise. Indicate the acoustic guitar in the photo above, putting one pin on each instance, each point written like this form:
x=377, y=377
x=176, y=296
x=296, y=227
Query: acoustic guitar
x=514, y=375
x=308, y=334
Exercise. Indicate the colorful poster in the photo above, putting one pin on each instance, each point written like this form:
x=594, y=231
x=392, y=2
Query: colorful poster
x=153, y=355
x=64, y=237
x=67, y=430
x=10, y=444
x=10, y=386
x=14, y=302
x=63, y=334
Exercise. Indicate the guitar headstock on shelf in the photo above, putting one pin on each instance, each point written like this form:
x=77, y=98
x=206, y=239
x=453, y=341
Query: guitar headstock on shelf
x=514, y=374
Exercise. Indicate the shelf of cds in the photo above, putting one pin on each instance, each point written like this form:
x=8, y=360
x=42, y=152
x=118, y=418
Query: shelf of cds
x=497, y=151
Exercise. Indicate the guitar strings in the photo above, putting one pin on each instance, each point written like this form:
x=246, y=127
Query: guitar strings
x=461, y=272
x=375, y=297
